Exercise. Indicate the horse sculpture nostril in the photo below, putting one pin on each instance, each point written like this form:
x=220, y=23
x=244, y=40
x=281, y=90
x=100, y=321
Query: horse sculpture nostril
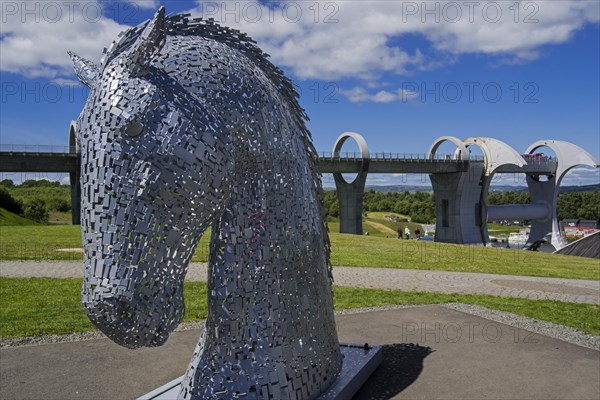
x=132, y=322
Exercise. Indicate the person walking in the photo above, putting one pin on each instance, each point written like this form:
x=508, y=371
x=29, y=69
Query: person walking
x=407, y=232
x=400, y=233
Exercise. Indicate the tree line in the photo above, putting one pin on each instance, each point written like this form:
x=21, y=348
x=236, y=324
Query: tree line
x=34, y=199
x=574, y=205
x=420, y=206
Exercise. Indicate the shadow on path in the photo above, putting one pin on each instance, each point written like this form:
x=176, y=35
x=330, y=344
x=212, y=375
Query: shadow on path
x=401, y=366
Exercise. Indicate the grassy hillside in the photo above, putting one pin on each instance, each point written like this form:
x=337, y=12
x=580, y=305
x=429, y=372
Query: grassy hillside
x=376, y=224
x=43, y=241
x=9, y=219
x=378, y=218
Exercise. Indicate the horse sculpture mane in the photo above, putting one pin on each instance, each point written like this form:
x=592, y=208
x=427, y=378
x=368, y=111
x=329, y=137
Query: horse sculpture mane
x=187, y=126
x=182, y=25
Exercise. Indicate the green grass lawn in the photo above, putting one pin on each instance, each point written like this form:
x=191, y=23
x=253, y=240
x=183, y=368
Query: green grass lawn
x=504, y=230
x=40, y=242
x=367, y=251
x=42, y=306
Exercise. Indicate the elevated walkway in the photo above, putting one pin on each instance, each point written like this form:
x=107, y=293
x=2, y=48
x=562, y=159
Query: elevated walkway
x=33, y=158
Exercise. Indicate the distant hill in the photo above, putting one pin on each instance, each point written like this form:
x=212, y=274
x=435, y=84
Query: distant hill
x=497, y=188
x=9, y=219
x=400, y=188
x=563, y=189
x=583, y=188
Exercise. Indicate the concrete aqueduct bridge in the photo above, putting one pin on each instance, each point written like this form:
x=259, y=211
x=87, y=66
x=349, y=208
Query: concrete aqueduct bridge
x=460, y=182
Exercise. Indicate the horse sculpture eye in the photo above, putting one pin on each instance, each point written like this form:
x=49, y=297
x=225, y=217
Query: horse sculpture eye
x=134, y=129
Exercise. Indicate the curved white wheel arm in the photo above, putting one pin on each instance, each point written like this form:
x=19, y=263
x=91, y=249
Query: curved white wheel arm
x=461, y=152
x=496, y=153
x=568, y=156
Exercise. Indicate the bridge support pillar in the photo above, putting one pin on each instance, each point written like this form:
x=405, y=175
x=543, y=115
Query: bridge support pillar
x=350, y=195
x=74, y=180
x=544, y=191
x=458, y=208
x=75, y=198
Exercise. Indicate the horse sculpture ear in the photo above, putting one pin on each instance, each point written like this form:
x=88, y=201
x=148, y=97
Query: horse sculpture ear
x=86, y=70
x=151, y=40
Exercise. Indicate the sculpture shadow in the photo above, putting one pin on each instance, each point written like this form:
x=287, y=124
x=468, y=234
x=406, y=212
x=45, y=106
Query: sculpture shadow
x=401, y=366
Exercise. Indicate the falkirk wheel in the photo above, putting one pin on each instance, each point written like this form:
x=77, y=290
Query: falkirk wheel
x=461, y=184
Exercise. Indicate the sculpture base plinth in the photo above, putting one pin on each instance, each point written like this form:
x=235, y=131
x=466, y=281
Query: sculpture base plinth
x=359, y=364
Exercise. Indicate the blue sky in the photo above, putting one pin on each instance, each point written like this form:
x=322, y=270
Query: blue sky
x=396, y=72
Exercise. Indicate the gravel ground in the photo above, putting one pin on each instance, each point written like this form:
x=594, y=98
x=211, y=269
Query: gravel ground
x=561, y=332
x=564, y=333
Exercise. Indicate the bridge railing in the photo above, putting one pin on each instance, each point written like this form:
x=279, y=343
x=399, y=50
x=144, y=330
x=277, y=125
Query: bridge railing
x=341, y=156
x=541, y=161
x=36, y=148
x=43, y=148
x=357, y=156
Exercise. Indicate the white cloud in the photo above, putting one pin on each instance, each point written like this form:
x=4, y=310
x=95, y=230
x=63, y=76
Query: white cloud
x=359, y=94
x=35, y=44
x=581, y=176
x=65, y=82
x=316, y=40
x=147, y=4
x=366, y=40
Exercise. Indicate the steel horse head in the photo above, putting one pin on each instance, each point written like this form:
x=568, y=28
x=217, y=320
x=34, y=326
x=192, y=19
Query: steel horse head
x=188, y=126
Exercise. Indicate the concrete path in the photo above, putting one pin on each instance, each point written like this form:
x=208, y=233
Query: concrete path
x=567, y=290
x=430, y=352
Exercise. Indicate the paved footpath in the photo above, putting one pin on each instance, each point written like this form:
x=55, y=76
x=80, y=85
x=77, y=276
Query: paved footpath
x=568, y=290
